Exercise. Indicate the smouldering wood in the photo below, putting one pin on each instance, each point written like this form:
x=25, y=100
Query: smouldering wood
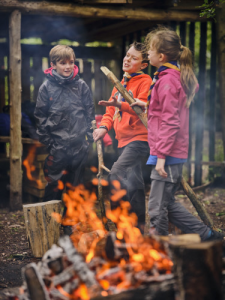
x=15, y=111
x=41, y=228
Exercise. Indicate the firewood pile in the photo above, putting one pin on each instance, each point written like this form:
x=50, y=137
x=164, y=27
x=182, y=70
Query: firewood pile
x=64, y=274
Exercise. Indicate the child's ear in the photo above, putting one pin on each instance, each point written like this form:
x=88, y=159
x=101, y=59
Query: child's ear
x=144, y=65
x=53, y=65
x=162, y=57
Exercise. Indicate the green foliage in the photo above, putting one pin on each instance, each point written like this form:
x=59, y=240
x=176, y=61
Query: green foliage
x=208, y=9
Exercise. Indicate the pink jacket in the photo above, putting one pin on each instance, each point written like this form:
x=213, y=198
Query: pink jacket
x=168, y=117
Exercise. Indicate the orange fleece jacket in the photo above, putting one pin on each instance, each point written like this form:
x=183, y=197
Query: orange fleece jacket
x=130, y=128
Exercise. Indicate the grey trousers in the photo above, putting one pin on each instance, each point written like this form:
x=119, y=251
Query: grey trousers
x=128, y=171
x=163, y=207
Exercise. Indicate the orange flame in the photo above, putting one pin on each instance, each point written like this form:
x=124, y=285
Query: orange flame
x=29, y=165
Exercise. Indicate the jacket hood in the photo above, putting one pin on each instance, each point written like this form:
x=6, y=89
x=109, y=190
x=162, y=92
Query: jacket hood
x=49, y=71
x=172, y=72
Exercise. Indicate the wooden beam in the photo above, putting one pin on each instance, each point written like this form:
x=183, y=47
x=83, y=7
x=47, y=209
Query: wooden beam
x=15, y=111
x=6, y=139
x=65, y=9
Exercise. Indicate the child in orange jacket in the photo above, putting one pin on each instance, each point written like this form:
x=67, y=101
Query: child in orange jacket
x=130, y=132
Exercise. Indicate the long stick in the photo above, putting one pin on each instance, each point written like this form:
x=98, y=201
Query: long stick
x=100, y=175
x=187, y=189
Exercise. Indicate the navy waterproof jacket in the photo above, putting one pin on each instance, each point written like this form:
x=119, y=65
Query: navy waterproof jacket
x=64, y=111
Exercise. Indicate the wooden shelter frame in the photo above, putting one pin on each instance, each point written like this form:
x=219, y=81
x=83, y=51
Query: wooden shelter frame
x=126, y=16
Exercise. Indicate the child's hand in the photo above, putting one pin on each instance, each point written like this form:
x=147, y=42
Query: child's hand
x=140, y=103
x=113, y=102
x=160, y=167
x=99, y=133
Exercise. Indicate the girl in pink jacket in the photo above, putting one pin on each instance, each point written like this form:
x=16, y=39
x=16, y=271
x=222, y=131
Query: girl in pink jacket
x=172, y=90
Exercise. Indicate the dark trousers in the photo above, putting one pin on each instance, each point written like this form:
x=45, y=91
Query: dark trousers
x=163, y=207
x=127, y=170
x=65, y=165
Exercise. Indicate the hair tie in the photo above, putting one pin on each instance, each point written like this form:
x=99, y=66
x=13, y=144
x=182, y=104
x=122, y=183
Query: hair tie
x=181, y=48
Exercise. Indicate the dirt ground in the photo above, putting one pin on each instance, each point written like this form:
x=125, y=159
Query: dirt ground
x=14, y=248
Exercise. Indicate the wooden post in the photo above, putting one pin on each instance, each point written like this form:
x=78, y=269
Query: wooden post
x=200, y=106
x=192, y=48
x=2, y=83
x=198, y=270
x=220, y=28
x=38, y=75
x=41, y=228
x=15, y=111
x=25, y=78
x=87, y=75
x=212, y=98
x=98, y=85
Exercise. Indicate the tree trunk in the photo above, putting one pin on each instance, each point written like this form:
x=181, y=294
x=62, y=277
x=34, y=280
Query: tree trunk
x=220, y=27
x=41, y=228
x=198, y=270
x=15, y=111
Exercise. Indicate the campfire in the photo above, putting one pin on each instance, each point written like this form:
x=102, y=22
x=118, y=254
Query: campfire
x=94, y=263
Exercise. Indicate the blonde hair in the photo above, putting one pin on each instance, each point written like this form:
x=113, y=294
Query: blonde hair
x=167, y=41
x=61, y=52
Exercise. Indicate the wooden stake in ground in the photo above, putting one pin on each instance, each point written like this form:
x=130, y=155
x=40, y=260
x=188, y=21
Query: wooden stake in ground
x=187, y=189
x=100, y=175
x=41, y=228
x=15, y=111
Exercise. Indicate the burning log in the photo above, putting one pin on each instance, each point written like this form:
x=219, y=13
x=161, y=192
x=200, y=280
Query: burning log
x=41, y=228
x=187, y=189
x=198, y=270
x=85, y=274
x=35, y=284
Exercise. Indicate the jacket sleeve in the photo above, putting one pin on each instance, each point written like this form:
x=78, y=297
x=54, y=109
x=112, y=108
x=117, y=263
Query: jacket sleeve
x=87, y=100
x=168, y=95
x=142, y=94
x=107, y=119
x=41, y=115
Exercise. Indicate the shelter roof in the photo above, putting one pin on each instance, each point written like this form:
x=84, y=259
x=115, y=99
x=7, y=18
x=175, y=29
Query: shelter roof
x=91, y=20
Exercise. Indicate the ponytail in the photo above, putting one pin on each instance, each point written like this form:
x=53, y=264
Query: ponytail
x=187, y=76
x=167, y=41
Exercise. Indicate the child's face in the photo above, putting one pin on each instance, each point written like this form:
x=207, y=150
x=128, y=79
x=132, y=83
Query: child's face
x=64, y=67
x=154, y=57
x=132, y=62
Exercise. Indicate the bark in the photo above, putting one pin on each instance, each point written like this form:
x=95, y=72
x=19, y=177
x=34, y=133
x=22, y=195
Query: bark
x=15, y=111
x=64, y=9
x=100, y=177
x=41, y=228
x=198, y=270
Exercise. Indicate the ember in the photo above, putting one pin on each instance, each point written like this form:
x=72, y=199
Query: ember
x=107, y=263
